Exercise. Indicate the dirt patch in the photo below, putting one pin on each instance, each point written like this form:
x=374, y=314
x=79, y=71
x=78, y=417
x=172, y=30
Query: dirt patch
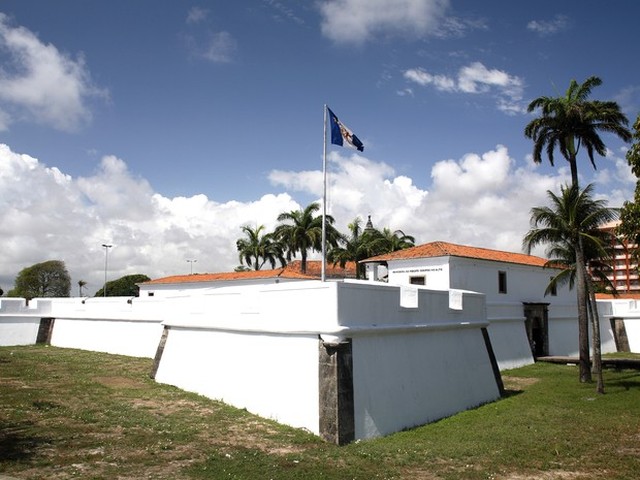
x=556, y=475
x=518, y=383
x=120, y=382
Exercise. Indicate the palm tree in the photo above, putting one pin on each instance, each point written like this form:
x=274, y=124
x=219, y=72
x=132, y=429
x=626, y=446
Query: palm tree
x=396, y=240
x=367, y=242
x=567, y=123
x=257, y=248
x=301, y=231
x=81, y=285
x=354, y=248
x=570, y=228
x=573, y=121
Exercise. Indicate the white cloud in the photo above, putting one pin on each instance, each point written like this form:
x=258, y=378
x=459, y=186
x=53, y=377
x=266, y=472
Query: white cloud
x=38, y=83
x=356, y=21
x=480, y=199
x=216, y=47
x=45, y=214
x=549, y=27
x=197, y=14
x=220, y=48
x=476, y=78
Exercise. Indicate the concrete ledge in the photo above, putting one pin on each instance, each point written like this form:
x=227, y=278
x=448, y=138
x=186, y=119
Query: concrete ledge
x=631, y=363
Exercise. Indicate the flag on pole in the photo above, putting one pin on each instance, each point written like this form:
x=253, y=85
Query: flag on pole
x=340, y=133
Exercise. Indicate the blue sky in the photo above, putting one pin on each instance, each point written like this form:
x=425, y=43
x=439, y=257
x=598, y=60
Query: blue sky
x=162, y=127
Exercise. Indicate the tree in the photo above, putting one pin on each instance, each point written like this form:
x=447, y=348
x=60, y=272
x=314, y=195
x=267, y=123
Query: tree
x=396, y=240
x=567, y=123
x=124, y=286
x=570, y=228
x=354, y=248
x=629, y=226
x=257, y=248
x=572, y=121
x=46, y=279
x=300, y=231
x=81, y=285
x=365, y=243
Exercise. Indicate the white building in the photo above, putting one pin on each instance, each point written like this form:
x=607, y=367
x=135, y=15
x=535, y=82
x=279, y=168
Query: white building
x=523, y=321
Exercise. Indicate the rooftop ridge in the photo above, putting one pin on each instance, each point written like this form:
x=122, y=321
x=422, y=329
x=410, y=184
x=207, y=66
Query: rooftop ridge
x=440, y=248
x=291, y=271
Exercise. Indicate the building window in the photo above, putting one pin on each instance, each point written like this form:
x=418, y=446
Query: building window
x=502, y=282
x=422, y=280
x=554, y=288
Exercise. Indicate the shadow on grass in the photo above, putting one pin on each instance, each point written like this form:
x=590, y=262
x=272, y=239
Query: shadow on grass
x=511, y=393
x=17, y=443
x=624, y=378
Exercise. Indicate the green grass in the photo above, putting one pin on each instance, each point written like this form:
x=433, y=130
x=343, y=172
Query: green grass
x=74, y=414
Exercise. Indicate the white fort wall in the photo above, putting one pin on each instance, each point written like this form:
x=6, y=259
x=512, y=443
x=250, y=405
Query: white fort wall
x=626, y=310
x=261, y=348
x=118, y=325
x=524, y=284
x=18, y=324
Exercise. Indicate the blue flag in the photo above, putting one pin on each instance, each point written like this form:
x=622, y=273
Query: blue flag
x=340, y=133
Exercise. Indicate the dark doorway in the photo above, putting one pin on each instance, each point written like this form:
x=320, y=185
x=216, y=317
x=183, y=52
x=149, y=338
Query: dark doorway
x=45, y=330
x=537, y=326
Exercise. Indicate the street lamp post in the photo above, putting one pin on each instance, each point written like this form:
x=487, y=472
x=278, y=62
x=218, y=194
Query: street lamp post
x=192, y=262
x=106, y=262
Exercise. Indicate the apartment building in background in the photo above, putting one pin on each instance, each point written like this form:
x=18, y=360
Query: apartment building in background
x=624, y=267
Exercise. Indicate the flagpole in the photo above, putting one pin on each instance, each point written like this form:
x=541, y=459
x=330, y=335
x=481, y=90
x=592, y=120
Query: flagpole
x=324, y=196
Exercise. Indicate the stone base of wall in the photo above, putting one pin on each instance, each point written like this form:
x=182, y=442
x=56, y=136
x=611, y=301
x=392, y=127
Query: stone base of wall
x=336, y=392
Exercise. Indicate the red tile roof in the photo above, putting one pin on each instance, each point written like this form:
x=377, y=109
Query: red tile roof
x=290, y=271
x=443, y=249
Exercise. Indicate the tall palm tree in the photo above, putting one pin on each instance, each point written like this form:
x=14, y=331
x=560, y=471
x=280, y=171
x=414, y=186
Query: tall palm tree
x=570, y=228
x=81, y=285
x=567, y=123
x=572, y=121
x=259, y=248
x=300, y=231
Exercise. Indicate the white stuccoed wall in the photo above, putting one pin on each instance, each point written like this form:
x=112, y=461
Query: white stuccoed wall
x=118, y=325
x=505, y=310
x=258, y=348
x=272, y=375
x=18, y=325
x=629, y=311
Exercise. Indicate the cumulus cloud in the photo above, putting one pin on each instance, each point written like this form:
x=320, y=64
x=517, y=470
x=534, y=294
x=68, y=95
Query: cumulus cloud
x=356, y=21
x=38, y=83
x=549, y=27
x=46, y=214
x=480, y=199
x=475, y=78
